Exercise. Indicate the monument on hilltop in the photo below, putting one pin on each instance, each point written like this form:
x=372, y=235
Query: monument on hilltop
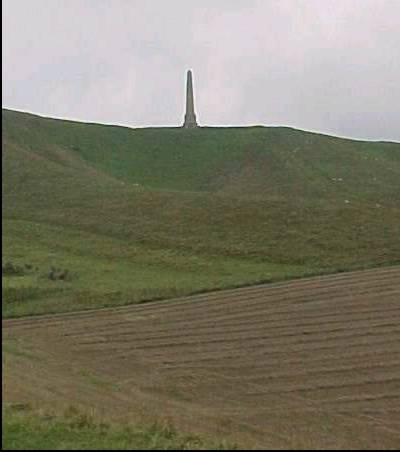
x=190, y=116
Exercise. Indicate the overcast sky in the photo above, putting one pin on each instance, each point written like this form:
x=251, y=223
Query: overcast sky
x=325, y=65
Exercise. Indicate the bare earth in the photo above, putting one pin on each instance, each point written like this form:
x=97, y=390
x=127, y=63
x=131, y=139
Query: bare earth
x=312, y=363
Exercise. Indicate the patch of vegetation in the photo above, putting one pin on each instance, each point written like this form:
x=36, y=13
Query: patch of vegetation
x=95, y=380
x=9, y=269
x=23, y=430
x=13, y=349
x=56, y=274
x=16, y=301
x=22, y=294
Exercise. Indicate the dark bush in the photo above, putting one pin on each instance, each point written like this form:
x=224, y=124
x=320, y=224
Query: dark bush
x=10, y=269
x=58, y=275
x=64, y=275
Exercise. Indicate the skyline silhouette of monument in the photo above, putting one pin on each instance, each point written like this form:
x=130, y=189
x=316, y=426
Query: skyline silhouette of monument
x=190, y=116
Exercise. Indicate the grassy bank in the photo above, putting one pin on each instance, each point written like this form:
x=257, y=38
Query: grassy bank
x=29, y=431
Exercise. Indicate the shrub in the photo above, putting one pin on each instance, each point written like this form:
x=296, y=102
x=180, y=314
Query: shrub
x=58, y=275
x=10, y=269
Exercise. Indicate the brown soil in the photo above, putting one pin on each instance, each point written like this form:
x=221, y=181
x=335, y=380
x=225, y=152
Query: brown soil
x=312, y=363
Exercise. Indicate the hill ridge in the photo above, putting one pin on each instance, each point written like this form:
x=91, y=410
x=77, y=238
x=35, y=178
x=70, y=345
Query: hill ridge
x=250, y=160
x=234, y=126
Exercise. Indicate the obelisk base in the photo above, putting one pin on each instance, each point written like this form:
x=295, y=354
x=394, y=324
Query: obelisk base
x=190, y=123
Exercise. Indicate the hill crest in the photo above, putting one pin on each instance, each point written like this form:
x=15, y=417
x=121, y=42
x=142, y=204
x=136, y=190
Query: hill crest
x=276, y=161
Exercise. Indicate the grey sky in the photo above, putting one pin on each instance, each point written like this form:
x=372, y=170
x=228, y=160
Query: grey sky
x=327, y=65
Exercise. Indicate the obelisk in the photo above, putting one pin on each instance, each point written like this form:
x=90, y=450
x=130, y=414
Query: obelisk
x=190, y=116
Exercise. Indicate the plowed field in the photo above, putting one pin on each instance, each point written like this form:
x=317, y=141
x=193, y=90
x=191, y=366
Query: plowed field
x=309, y=363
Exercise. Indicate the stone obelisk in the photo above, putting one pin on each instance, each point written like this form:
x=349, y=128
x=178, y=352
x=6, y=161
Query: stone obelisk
x=190, y=116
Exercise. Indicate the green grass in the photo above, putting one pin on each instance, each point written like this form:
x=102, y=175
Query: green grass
x=27, y=431
x=253, y=160
x=144, y=214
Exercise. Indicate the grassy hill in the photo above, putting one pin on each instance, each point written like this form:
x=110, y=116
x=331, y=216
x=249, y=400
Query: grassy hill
x=138, y=214
x=256, y=160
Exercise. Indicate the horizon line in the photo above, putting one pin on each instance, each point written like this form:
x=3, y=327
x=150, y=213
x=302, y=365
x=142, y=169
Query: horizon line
x=129, y=126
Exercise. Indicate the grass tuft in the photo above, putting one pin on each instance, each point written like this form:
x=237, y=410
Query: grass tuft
x=26, y=430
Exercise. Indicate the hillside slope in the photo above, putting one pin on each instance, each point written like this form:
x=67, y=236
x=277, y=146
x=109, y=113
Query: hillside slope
x=256, y=160
x=143, y=214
